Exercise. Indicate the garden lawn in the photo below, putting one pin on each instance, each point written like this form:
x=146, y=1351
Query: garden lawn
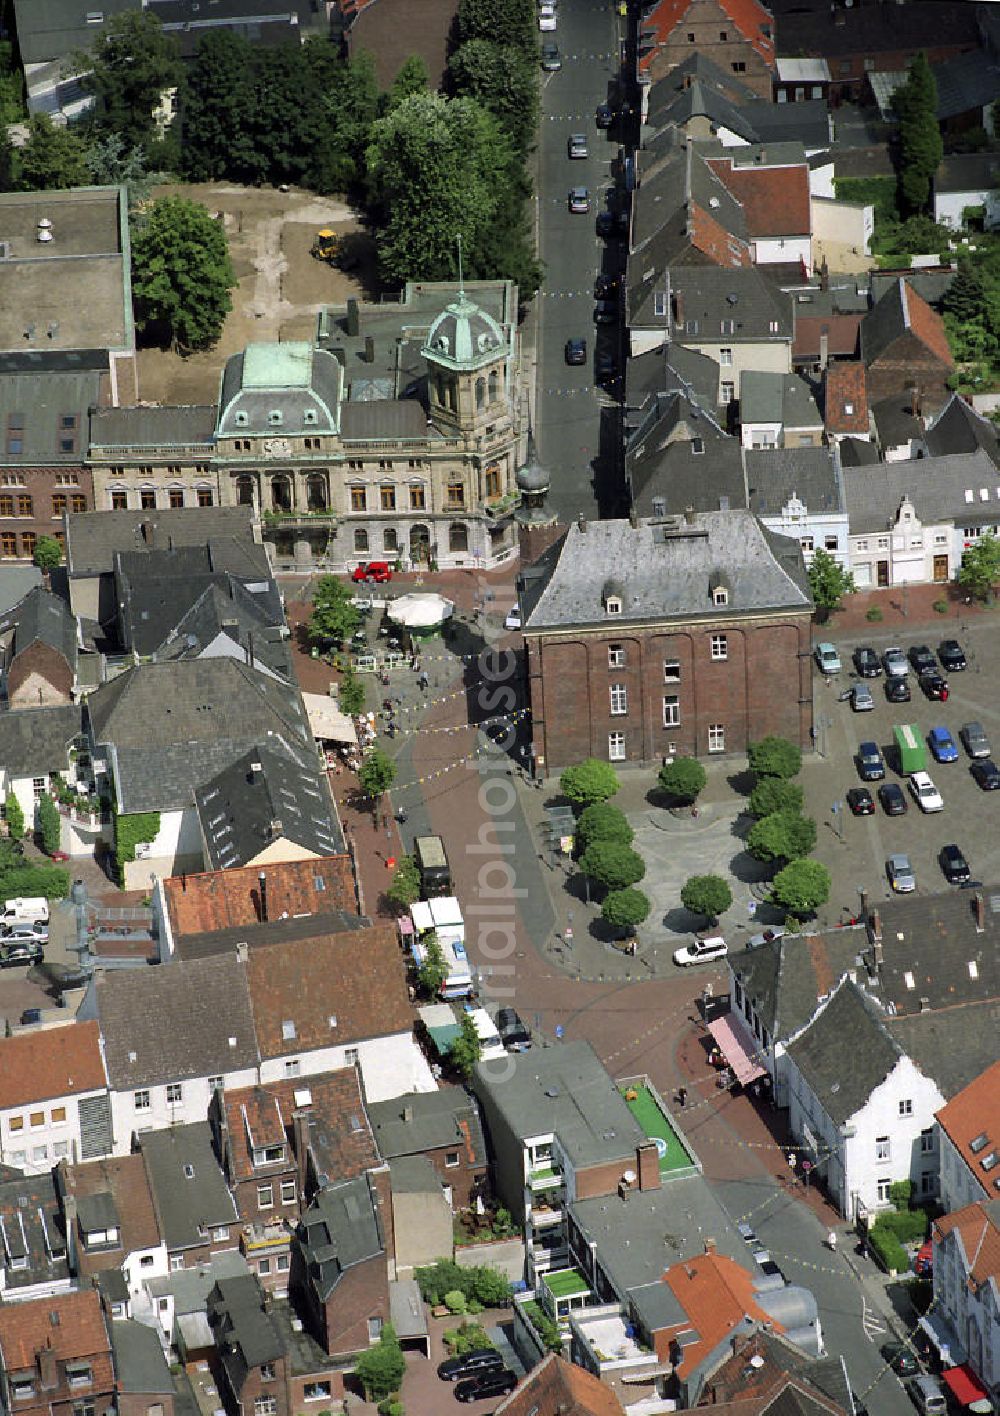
x=652, y=1120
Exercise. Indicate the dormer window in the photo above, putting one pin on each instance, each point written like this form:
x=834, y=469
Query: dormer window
x=848, y=407
x=613, y=605
x=288, y=1030
x=268, y=1155
x=310, y=417
x=241, y=419
x=720, y=595
x=275, y=418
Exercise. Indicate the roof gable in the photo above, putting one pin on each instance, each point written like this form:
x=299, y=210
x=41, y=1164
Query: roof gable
x=41, y=1064
x=775, y=199
x=245, y=896
x=751, y=19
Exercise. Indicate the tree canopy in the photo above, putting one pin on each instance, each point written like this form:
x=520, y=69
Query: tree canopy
x=683, y=778
x=132, y=63
x=625, y=909
x=376, y=773
x=707, y=895
x=181, y=273
x=334, y=615
x=775, y=794
x=829, y=582
x=509, y=23
x=467, y=1048
x=433, y=970
x=589, y=781
x=602, y=822
x=802, y=887
x=404, y=888
x=920, y=144
x=503, y=80
x=51, y=158
x=48, y=554
x=784, y=835
x=774, y=757
x=380, y=1368
x=612, y=865
x=980, y=568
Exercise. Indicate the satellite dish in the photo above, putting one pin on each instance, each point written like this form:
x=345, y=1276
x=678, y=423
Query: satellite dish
x=629, y=1177
x=756, y=1361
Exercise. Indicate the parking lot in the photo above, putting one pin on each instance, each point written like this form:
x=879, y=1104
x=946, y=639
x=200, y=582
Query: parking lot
x=856, y=848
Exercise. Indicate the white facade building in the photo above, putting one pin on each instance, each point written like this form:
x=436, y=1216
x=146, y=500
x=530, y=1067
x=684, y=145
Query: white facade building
x=967, y=1288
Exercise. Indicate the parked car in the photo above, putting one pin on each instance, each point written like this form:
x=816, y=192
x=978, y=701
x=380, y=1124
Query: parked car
x=921, y=658
x=942, y=745
x=859, y=799
x=827, y=658
x=701, y=951
x=927, y=1395
x=866, y=661
x=974, y=739
x=576, y=145
x=986, y=774
x=924, y=1262
x=611, y=223
x=27, y=930
x=897, y=690
x=605, y=366
x=16, y=953
x=894, y=662
x=605, y=312
x=899, y=869
x=934, y=685
x=925, y=793
x=605, y=115
x=773, y=931
x=900, y=1358
x=576, y=351
x=890, y=794
x=861, y=698
x=497, y=1382
x=606, y=287
x=513, y=1033
x=481, y=1359
x=379, y=571
x=746, y=1233
x=579, y=199
x=871, y=765
x=547, y=19
x=955, y=866
x=952, y=656
x=551, y=61
x=513, y=618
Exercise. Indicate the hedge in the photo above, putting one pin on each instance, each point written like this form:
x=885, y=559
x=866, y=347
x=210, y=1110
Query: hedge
x=907, y=1225
x=23, y=881
x=485, y=1285
x=888, y=1249
x=131, y=831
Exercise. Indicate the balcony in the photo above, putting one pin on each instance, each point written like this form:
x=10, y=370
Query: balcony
x=544, y=1214
x=544, y=1177
x=610, y=1342
x=497, y=509
x=320, y=516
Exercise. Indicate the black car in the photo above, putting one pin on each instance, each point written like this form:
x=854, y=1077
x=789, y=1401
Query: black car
x=513, y=1033
x=871, y=764
x=935, y=685
x=605, y=312
x=20, y=951
x=606, y=287
x=866, y=661
x=550, y=58
x=605, y=366
x=900, y=1358
x=986, y=774
x=576, y=351
x=859, y=799
x=952, y=656
x=611, y=223
x=892, y=799
x=897, y=690
x=955, y=866
x=922, y=659
x=471, y=1364
x=497, y=1383
x=605, y=115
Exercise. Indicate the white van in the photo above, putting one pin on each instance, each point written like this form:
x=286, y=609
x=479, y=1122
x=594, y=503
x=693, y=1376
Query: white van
x=489, y=1038
x=29, y=909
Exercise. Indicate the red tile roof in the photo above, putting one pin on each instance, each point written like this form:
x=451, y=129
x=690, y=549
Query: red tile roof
x=973, y=1113
x=356, y=977
x=222, y=899
x=336, y=1110
x=556, y=1385
x=712, y=239
x=716, y=1294
x=927, y=325
x=846, y=389
x=749, y=17
x=50, y=1062
x=979, y=1232
x=774, y=199
x=841, y=332
x=124, y=1179
x=71, y=1324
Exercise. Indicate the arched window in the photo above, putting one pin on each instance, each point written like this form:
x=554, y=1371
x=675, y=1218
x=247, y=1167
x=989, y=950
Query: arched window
x=480, y=392
x=458, y=536
x=360, y=539
x=281, y=494
x=494, y=386
x=316, y=493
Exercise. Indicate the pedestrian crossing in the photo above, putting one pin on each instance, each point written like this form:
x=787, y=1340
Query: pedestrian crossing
x=871, y=1321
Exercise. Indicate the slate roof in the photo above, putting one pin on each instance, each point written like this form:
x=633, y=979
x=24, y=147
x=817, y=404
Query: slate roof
x=901, y=310
x=712, y=295
x=274, y=390
x=171, y=727
x=775, y=199
x=959, y=428
x=671, y=367
x=245, y=1330
x=32, y=1225
x=769, y=397
x=36, y=741
x=263, y=797
x=697, y=67
x=341, y=1228
x=43, y=618
x=15, y=582
x=786, y=978
x=972, y=1114
x=120, y=1181
x=48, y=1063
x=224, y=613
x=807, y=122
x=896, y=425
x=752, y=1389
x=775, y=475
x=935, y=940
x=966, y=81
x=364, y=419
x=93, y=537
x=937, y=487
x=413, y=1175
x=140, y=1365
x=670, y=192
x=557, y=1385
x=171, y=425
x=78, y=1331
x=856, y=452
x=340, y=1137
x=211, y=901
x=330, y=988
x=699, y=99
x=968, y=172
x=869, y=30
x=676, y=477
x=175, y=1021
x=846, y=397
x=666, y=568
x=43, y=400
x=189, y=1190
x=845, y=1053
x=425, y=1121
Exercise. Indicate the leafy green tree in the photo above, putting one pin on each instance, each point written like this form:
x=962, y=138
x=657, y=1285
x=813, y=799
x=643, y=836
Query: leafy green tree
x=181, y=273
x=980, y=568
x=775, y=794
x=612, y=865
x=829, y=582
x=683, y=779
x=111, y=164
x=625, y=909
x=49, y=825
x=380, y=1369
x=801, y=887
x=351, y=107
x=334, y=615
x=405, y=886
x=12, y=109
x=509, y=23
x=774, y=757
x=490, y=1287
x=132, y=63
x=707, y=895
x=503, y=80
x=467, y=1048
x=351, y=693
x=48, y=554
x=505, y=246
x=602, y=822
x=376, y=774
x=589, y=781
x=433, y=971
x=411, y=78
x=784, y=835
x=14, y=817
x=920, y=144
x=52, y=157
x=219, y=110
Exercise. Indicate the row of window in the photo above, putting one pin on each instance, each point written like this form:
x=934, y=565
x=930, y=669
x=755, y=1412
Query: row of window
x=148, y=499
x=265, y=1194
x=458, y=539
x=10, y=542
x=67, y=427
x=24, y=504
x=38, y=1154
x=37, y=1120
x=387, y=500
x=63, y=479
x=618, y=694
x=173, y=469
x=716, y=734
x=78, y=1374
x=142, y=1100
x=883, y=1144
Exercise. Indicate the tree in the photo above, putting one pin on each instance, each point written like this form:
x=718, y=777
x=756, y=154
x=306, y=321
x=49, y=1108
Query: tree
x=351, y=693
x=505, y=246
x=588, y=782
x=920, y=145
x=219, y=110
x=775, y=794
x=801, y=887
x=376, y=774
x=467, y=1048
x=14, y=817
x=784, y=835
x=980, y=568
x=602, y=822
x=502, y=80
x=52, y=157
x=12, y=108
x=683, y=779
x=132, y=63
x=707, y=895
x=774, y=757
x=405, y=886
x=508, y=23
x=612, y=865
x=334, y=615
x=380, y=1369
x=433, y=971
x=489, y=1286
x=48, y=554
x=110, y=164
x=625, y=909
x=829, y=582
x=49, y=824
x=351, y=107
x=411, y=78
x=181, y=273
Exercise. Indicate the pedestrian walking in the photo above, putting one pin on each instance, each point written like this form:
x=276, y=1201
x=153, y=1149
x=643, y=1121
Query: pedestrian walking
x=682, y=1097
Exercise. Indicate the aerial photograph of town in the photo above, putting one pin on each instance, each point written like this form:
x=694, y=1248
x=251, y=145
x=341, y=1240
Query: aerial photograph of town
x=499, y=671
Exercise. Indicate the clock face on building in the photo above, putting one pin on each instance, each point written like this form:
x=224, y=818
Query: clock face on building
x=277, y=447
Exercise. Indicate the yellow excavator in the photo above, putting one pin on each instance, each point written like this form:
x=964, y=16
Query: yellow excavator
x=326, y=246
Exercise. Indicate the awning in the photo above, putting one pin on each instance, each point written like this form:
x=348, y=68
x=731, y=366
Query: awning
x=326, y=722
x=945, y=1341
x=745, y=1066
x=965, y=1385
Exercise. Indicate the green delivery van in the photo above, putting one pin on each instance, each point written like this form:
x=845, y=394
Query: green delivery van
x=910, y=746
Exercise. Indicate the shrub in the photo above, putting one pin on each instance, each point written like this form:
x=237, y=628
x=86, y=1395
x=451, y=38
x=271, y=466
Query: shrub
x=707, y=895
x=391, y=1406
x=466, y=1338
x=940, y=607
x=380, y=1369
x=15, y=817
x=454, y=1301
x=131, y=831
x=907, y=1225
x=888, y=1248
x=437, y=1281
x=490, y=1287
x=901, y=1193
x=874, y=615
x=49, y=824
x=52, y=881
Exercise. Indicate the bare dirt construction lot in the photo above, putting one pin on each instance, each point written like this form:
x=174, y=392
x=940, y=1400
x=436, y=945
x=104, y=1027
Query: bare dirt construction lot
x=281, y=286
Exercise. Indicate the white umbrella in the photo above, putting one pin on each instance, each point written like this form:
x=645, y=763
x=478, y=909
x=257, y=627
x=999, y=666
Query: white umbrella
x=420, y=611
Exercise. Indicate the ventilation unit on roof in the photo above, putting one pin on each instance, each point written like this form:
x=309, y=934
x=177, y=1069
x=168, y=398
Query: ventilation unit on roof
x=6, y=250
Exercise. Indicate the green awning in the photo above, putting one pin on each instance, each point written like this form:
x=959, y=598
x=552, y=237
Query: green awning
x=444, y=1036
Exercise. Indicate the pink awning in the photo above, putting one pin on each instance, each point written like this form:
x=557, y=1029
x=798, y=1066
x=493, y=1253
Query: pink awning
x=745, y=1066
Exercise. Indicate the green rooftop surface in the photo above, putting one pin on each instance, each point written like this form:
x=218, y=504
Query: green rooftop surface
x=565, y=1283
x=277, y=365
x=656, y=1125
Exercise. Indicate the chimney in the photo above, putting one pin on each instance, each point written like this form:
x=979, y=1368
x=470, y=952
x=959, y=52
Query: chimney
x=647, y=1164
x=679, y=307
x=353, y=318
x=864, y=904
x=709, y=1246
x=407, y=1114
x=581, y=523
x=262, y=877
x=369, y=349
x=689, y=515
x=48, y=1371
x=915, y=401
x=300, y=1140
x=875, y=927
x=824, y=346
x=242, y=951
x=824, y=275
x=979, y=906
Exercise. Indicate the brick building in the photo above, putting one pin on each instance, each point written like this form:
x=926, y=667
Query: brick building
x=38, y=651
x=675, y=635
x=340, y=1272
x=55, y=1356
x=442, y=1125
x=737, y=35
x=904, y=347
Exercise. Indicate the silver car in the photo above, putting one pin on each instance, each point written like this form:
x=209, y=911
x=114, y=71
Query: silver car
x=895, y=662
x=974, y=739
x=861, y=698
x=900, y=873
